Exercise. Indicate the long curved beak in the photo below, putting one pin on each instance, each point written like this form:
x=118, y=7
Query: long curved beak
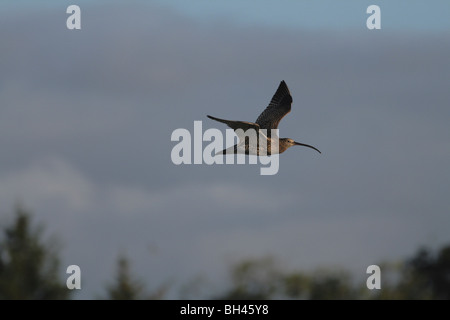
x=306, y=145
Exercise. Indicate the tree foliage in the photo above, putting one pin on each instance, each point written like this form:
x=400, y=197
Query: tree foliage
x=253, y=280
x=426, y=275
x=28, y=266
x=124, y=287
x=261, y=279
x=29, y=270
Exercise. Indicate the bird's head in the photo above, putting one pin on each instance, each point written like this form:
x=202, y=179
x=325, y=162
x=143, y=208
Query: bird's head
x=288, y=142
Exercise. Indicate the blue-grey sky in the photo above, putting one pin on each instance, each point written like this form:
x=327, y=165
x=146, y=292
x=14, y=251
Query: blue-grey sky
x=86, y=118
x=407, y=15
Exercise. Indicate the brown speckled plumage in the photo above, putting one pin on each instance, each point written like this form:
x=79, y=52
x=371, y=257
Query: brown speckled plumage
x=279, y=106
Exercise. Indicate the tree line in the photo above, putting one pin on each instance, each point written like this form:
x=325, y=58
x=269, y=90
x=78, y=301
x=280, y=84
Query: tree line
x=29, y=270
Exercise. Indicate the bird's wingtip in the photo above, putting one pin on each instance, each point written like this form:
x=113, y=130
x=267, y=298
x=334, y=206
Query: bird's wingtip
x=283, y=84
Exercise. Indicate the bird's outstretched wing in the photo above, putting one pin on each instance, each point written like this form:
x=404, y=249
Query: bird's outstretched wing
x=235, y=125
x=279, y=106
x=244, y=125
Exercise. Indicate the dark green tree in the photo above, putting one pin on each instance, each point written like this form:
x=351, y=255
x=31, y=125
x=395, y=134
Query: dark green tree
x=424, y=276
x=434, y=271
x=257, y=279
x=28, y=266
x=331, y=285
x=125, y=287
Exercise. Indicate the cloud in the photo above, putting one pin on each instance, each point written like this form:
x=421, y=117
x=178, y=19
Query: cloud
x=48, y=181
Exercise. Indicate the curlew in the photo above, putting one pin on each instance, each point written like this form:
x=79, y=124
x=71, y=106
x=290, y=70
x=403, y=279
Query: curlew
x=279, y=106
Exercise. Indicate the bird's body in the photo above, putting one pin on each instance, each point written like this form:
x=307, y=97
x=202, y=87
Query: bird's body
x=253, y=140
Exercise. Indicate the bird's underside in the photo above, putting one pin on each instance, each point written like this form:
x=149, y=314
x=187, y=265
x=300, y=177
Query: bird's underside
x=252, y=140
x=260, y=147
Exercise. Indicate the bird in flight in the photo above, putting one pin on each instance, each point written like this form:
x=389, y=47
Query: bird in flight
x=279, y=106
